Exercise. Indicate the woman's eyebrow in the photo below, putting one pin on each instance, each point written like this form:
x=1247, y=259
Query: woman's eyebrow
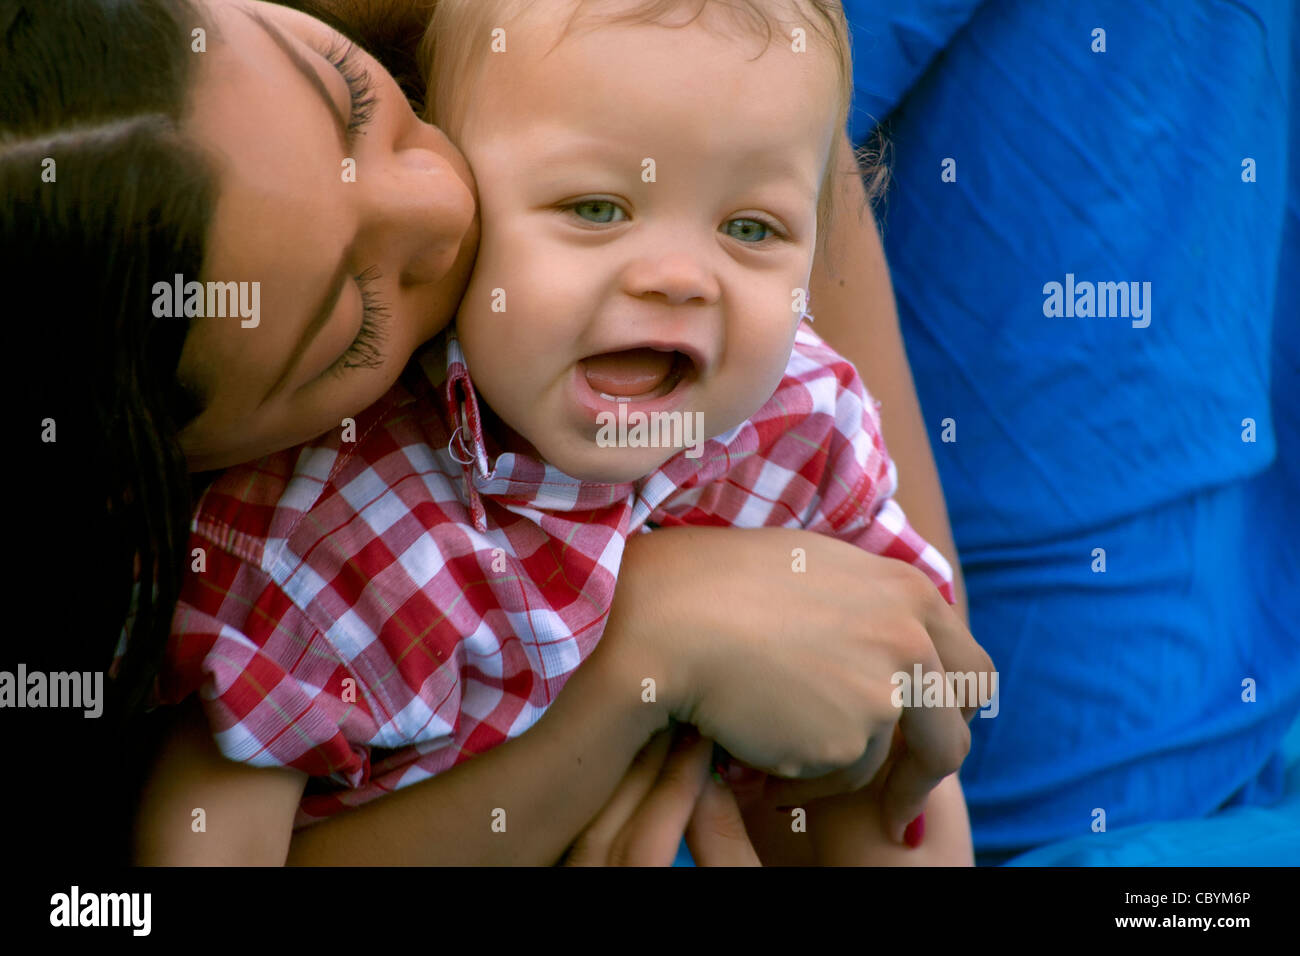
x=320, y=316
x=290, y=49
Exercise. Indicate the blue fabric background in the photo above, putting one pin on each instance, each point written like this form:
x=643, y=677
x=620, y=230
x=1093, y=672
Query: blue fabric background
x=1120, y=690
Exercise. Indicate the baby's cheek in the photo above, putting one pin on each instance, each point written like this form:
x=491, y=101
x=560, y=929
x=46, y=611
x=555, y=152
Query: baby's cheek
x=490, y=305
x=753, y=372
x=771, y=352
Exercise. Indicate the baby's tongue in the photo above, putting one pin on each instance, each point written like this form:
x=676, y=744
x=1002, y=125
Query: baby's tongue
x=630, y=372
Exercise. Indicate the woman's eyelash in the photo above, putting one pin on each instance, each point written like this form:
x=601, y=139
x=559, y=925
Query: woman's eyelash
x=364, y=352
x=342, y=54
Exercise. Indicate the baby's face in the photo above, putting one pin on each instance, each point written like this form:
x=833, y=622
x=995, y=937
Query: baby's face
x=648, y=205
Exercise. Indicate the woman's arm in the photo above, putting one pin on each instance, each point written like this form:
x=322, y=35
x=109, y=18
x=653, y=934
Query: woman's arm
x=788, y=671
x=549, y=782
x=853, y=300
x=247, y=812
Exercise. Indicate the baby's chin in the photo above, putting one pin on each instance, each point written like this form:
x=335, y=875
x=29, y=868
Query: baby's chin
x=588, y=461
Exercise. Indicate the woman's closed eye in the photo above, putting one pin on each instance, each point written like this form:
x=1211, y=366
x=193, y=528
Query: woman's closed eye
x=366, y=349
x=345, y=58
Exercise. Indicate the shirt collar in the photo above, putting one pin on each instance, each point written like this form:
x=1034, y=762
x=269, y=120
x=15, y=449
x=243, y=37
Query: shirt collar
x=519, y=480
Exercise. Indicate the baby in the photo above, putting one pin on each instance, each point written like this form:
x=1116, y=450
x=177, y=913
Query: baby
x=650, y=205
x=653, y=181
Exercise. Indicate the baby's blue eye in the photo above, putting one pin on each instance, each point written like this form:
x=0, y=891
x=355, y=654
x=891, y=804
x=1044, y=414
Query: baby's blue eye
x=747, y=230
x=599, y=210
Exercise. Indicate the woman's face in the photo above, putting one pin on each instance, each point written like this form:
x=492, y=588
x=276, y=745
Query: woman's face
x=356, y=219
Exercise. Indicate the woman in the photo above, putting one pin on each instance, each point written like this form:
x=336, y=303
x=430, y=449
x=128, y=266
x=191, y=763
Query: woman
x=233, y=191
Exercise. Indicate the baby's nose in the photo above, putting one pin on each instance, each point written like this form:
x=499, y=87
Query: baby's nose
x=677, y=277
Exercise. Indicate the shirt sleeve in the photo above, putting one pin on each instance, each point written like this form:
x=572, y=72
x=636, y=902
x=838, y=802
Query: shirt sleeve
x=893, y=43
x=274, y=691
x=813, y=457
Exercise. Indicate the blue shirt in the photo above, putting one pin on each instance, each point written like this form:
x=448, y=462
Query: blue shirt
x=1030, y=149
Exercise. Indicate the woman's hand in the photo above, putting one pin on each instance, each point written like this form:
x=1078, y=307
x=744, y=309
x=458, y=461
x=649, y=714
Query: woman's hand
x=791, y=671
x=667, y=790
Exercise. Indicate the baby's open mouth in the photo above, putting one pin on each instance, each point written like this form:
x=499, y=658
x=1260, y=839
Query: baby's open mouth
x=635, y=375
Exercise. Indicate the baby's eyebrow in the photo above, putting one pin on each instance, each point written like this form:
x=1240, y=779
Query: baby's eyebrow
x=760, y=164
x=571, y=149
x=770, y=165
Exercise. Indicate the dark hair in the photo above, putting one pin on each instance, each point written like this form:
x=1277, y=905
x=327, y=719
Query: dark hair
x=102, y=196
x=389, y=30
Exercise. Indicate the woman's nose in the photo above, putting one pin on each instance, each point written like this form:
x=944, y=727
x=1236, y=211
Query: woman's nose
x=418, y=209
x=678, y=277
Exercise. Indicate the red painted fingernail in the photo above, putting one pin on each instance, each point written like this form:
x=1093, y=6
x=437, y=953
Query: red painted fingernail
x=914, y=832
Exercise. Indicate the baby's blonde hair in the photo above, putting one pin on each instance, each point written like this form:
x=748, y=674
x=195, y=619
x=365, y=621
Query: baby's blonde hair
x=459, y=37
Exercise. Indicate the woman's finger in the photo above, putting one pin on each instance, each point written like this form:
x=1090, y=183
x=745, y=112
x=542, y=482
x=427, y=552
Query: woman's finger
x=937, y=740
x=592, y=848
x=716, y=832
x=959, y=652
x=796, y=793
x=654, y=833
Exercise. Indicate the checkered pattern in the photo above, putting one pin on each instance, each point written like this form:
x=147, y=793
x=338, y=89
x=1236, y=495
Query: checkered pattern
x=374, y=612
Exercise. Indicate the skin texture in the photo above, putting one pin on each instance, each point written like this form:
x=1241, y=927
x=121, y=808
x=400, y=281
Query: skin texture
x=593, y=259
x=283, y=216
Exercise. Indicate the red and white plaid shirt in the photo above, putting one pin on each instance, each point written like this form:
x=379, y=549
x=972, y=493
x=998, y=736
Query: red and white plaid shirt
x=374, y=612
